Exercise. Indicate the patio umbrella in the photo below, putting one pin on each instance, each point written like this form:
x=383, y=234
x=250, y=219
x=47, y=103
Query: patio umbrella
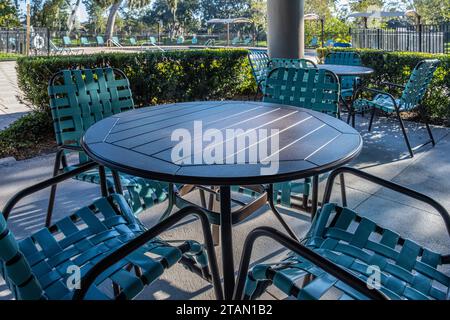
x=227, y=22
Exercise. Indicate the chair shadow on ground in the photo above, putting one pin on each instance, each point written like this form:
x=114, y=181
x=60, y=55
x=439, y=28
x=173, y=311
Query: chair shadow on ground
x=385, y=143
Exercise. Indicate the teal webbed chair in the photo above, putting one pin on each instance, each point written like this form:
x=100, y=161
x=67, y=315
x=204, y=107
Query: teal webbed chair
x=116, y=41
x=348, y=59
x=69, y=46
x=290, y=63
x=413, y=93
x=259, y=60
x=85, y=42
x=100, y=40
x=78, y=99
x=308, y=88
x=132, y=41
x=115, y=256
x=344, y=252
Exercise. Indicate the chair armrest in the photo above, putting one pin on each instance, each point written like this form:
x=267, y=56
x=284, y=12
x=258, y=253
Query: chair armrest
x=44, y=184
x=389, y=185
x=145, y=237
x=393, y=85
x=378, y=91
x=323, y=263
x=71, y=148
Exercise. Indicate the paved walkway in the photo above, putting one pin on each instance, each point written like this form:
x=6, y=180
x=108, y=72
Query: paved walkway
x=11, y=108
x=384, y=155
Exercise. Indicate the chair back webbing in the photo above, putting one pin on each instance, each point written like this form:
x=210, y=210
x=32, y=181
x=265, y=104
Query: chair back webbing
x=291, y=63
x=15, y=269
x=308, y=88
x=80, y=98
x=259, y=59
x=348, y=58
x=418, y=83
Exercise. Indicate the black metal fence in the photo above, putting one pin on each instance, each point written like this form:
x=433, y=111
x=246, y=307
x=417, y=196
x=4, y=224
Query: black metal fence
x=14, y=41
x=421, y=38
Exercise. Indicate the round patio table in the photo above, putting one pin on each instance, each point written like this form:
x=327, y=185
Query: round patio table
x=344, y=71
x=142, y=143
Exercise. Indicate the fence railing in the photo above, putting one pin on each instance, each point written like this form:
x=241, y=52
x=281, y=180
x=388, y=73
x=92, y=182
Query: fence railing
x=422, y=38
x=14, y=41
x=44, y=41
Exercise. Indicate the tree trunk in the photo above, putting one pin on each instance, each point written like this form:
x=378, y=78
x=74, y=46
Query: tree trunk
x=72, y=17
x=112, y=19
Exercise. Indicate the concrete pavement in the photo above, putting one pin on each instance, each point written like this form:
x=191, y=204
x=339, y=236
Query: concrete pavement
x=11, y=108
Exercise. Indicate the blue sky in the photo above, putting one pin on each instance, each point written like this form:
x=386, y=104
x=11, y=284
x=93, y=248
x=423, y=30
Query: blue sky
x=82, y=14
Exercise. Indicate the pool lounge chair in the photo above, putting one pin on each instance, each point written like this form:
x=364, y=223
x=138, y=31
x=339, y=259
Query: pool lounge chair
x=132, y=41
x=85, y=42
x=100, y=41
x=54, y=49
x=236, y=41
x=68, y=45
x=248, y=41
x=180, y=40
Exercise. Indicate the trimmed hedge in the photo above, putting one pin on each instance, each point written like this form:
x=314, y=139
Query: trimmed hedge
x=9, y=56
x=396, y=67
x=155, y=77
x=28, y=136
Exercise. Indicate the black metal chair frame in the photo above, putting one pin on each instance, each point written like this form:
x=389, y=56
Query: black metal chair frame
x=397, y=115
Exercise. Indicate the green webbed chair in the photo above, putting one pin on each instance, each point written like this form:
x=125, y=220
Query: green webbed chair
x=347, y=58
x=116, y=40
x=84, y=41
x=411, y=98
x=259, y=60
x=78, y=99
x=308, y=88
x=67, y=41
x=290, y=63
x=344, y=251
x=105, y=243
x=100, y=41
x=133, y=41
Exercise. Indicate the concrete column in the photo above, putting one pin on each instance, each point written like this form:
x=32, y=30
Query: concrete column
x=286, y=28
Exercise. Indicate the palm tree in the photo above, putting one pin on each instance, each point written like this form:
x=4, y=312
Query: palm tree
x=115, y=5
x=173, y=6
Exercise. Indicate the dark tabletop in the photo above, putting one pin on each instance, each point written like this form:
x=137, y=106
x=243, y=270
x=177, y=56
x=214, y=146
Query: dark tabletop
x=139, y=142
x=343, y=70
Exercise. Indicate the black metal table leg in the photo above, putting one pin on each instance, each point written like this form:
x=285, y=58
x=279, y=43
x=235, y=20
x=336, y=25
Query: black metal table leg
x=226, y=242
x=315, y=196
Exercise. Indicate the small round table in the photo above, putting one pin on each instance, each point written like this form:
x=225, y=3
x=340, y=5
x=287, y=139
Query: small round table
x=344, y=70
x=348, y=71
x=142, y=143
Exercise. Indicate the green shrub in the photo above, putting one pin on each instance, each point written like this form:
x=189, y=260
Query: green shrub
x=155, y=77
x=8, y=56
x=27, y=136
x=396, y=67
